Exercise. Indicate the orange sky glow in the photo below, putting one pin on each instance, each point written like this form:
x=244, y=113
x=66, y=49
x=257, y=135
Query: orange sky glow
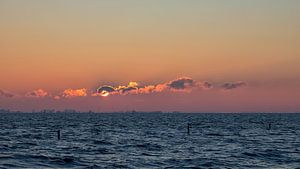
x=191, y=56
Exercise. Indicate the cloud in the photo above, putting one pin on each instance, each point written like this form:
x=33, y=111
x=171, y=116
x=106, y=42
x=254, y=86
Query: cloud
x=104, y=91
x=69, y=93
x=183, y=84
x=207, y=85
x=186, y=84
x=5, y=94
x=56, y=97
x=129, y=90
x=160, y=87
x=148, y=89
x=234, y=85
x=132, y=87
x=37, y=93
x=105, y=88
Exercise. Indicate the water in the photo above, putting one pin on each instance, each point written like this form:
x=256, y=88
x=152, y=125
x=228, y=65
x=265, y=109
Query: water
x=149, y=140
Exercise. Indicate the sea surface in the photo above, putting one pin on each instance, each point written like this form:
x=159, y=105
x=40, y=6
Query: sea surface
x=149, y=140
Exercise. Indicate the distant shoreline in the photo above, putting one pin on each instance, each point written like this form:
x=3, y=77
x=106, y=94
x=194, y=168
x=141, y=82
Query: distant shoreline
x=138, y=112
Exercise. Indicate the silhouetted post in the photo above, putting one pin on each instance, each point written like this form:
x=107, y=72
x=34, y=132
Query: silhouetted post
x=188, y=128
x=58, y=134
x=269, y=126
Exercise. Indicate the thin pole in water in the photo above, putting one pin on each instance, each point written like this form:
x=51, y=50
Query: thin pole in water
x=58, y=134
x=188, y=128
x=269, y=126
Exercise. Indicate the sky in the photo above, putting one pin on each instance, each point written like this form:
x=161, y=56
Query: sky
x=150, y=55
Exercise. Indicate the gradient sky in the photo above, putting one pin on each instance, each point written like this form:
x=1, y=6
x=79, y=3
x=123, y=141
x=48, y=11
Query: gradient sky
x=55, y=45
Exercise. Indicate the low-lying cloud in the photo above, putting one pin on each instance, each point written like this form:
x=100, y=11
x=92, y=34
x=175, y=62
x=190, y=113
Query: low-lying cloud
x=69, y=93
x=234, y=85
x=37, y=93
x=187, y=84
x=182, y=84
x=6, y=94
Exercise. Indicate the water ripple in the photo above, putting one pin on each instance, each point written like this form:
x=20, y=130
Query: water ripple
x=149, y=140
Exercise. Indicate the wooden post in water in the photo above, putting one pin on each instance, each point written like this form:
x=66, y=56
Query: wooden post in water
x=188, y=128
x=58, y=134
x=269, y=126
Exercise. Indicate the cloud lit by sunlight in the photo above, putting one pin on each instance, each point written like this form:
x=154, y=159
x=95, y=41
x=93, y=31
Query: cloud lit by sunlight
x=37, y=93
x=182, y=84
x=69, y=93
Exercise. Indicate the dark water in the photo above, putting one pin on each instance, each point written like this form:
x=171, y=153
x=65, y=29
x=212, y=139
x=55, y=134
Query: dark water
x=149, y=140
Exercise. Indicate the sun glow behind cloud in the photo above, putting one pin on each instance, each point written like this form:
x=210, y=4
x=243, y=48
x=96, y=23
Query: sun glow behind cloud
x=182, y=84
x=104, y=93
